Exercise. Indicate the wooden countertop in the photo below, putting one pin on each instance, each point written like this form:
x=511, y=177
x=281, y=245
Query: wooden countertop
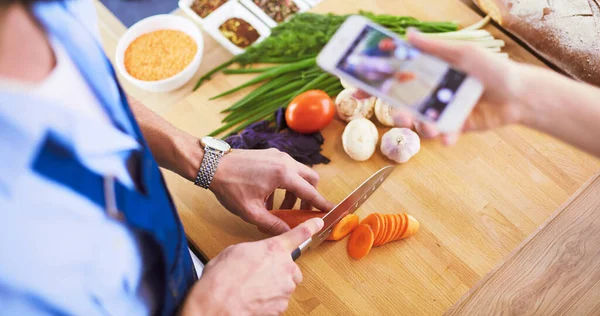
x=476, y=201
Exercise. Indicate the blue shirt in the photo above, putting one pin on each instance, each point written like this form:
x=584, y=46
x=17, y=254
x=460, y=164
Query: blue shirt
x=59, y=252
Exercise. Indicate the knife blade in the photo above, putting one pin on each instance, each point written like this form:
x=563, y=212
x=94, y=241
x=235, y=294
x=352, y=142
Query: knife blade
x=347, y=206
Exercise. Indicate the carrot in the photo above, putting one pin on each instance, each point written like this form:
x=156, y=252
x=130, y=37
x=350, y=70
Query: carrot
x=381, y=232
x=400, y=223
x=402, y=227
x=374, y=222
x=386, y=229
x=392, y=228
x=344, y=227
x=413, y=226
x=361, y=241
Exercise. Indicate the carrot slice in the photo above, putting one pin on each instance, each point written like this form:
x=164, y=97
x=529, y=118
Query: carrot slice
x=406, y=232
x=374, y=222
x=413, y=225
x=398, y=233
x=396, y=223
x=344, y=227
x=379, y=236
x=361, y=241
x=391, y=228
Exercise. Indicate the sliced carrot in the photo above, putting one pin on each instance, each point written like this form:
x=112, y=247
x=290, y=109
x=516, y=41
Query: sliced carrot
x=398, y=233
x=391, y=228
x=406, y=232
x=413, y=226
x=374, y=221
x=402, y=227
x=361, y=241
x=344, y=227
x=381, y=234
x=396, y=222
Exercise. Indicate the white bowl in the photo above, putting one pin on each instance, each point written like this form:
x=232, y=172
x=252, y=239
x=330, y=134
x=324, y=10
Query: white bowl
x=155, y=23
x=230, y=9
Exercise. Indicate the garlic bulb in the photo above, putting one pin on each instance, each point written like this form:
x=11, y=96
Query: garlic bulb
x=400, y=144
x=349, y=107
x=360, y=139
x=383, y=112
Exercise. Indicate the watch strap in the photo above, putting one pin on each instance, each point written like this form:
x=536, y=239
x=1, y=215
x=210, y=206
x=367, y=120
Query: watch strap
x=208, y=168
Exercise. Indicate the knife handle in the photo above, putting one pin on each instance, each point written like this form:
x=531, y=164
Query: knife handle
x=303, y=246
x=296, y=253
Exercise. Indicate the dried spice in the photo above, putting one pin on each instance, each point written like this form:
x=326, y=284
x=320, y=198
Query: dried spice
x=159, y=55
x=205, y=7
x=278, y=10
x=239, y=32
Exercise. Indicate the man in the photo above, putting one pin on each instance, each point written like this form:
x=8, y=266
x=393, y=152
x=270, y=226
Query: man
x=87, y=226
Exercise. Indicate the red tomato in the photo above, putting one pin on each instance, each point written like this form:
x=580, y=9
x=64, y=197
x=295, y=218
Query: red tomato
x=310, y=112
x=387, y=44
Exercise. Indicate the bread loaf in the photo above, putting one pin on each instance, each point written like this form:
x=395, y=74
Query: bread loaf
x=565, y=32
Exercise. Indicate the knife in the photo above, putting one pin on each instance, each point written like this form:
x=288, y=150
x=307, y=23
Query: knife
x=348, y=206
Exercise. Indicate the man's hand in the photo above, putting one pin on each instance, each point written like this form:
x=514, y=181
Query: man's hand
x=246, y=180
x=501, y=102
x=256, y=278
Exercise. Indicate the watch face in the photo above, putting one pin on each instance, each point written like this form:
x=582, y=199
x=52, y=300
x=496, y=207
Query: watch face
x=215, y=144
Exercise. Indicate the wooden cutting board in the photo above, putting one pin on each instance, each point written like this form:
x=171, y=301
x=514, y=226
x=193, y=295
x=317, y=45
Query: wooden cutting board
x=476, y=201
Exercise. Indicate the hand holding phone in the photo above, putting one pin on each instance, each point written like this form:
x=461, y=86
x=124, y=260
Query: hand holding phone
x=378, y=62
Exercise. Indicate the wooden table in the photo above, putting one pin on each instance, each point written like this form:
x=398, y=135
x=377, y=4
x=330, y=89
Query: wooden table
x=476, y=201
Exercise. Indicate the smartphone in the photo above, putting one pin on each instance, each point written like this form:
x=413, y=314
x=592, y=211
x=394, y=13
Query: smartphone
x=378, y=62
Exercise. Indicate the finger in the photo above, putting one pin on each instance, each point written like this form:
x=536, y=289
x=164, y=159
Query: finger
x=293, y=238
x=265, y=221
x=426, y=130
x=308, y=174
x=304, y=205
x=306, y=192
x=297, y=275
x=269, y=201
x=288, y=201
x=450, y=139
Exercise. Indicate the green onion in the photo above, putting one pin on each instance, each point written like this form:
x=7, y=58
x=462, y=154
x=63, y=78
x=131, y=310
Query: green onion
x=247, y=70
x=271, y=74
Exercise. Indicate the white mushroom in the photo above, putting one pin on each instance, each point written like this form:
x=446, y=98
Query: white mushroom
x=400, y=144
x=348, y=107
x=383, y=112
x=360, y=139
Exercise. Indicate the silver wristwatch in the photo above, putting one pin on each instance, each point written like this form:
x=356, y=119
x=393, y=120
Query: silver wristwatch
x=214, y=149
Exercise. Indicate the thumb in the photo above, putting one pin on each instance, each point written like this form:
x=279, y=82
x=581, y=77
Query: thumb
x=293, y=238
x=266, y=222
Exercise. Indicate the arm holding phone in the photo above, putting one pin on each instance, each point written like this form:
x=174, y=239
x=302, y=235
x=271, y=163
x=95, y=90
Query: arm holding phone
x=519, y=94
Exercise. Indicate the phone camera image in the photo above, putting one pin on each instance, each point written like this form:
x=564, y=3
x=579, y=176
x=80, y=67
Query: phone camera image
x=395, y=68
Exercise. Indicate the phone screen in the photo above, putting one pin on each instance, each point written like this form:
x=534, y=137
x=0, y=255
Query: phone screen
x=395, y=68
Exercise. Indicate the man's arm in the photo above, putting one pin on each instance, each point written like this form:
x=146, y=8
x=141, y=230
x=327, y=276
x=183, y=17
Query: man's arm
x=244, y=180
x=562, y=107
x=519, y=93
x=173, y=149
